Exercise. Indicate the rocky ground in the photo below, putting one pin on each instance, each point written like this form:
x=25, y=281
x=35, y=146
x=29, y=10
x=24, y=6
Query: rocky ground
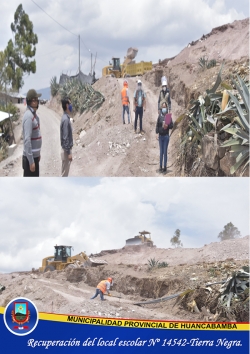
x=69, y=291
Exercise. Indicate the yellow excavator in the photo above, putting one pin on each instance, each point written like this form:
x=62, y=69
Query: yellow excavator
x=129, y=66
x=62, y=258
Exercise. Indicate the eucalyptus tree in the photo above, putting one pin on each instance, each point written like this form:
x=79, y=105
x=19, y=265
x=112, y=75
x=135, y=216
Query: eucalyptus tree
x=21, y=49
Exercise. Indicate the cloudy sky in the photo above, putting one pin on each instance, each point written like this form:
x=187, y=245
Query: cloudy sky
x=95, y=214
x=159, y=29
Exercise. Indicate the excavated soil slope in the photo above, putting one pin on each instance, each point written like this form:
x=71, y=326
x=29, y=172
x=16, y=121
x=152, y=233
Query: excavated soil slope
x=69, y=291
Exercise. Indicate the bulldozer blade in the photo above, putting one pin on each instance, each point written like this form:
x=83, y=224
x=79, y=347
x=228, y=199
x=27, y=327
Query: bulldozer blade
x=95, y=263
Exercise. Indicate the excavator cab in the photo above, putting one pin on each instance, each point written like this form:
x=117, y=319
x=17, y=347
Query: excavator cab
x=62, y=253
x=62, y=258
x=116, y=64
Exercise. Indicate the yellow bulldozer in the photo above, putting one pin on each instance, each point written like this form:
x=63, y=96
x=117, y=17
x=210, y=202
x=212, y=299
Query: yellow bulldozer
x=62, y=258
x=129, y=66
x=140, y=239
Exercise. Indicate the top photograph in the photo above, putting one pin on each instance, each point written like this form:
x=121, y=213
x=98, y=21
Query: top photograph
x=101, y=90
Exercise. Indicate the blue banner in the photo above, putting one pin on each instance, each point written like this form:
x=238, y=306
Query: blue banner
x=25, y=330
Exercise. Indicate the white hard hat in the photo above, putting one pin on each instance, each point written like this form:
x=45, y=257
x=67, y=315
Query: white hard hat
x=164, y=81
x=139, y=82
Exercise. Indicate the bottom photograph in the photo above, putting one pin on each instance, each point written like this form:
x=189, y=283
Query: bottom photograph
x=165, y=263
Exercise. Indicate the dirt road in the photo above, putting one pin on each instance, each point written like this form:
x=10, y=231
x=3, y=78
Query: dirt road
x=50, y=155
x=108, y=148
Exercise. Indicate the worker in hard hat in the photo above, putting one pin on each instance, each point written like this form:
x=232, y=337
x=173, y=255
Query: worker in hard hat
x=139, y=105
x=103, y=287
x=164, y=95
x=125, y=101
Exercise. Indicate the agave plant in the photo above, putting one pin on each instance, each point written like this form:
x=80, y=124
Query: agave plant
x=239, y=126
x=224, y=107
x=202, y=111
x=152, y=263
x=203, y=62
x=207, y=64
x=235, y=287
x=82, y=95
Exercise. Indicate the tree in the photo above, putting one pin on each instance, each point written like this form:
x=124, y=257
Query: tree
x=19, y=52
x=175, y=240
x=3, y=73
x=230, y=232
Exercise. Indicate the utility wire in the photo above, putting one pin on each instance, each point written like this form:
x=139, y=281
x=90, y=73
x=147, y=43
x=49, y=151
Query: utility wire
x=63, y=28
x=60, y=24
x=85, y=45
x=54, y=51
x=54, y=19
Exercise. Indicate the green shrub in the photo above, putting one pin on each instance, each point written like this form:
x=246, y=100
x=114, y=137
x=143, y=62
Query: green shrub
x=154, y=263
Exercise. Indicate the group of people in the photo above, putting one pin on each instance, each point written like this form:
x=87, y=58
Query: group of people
x=164, y=108
x=33, y=140
x=139, y=104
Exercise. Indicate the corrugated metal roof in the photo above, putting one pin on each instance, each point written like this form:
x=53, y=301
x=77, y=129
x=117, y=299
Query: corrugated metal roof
x=83, y=78
x=4, y=115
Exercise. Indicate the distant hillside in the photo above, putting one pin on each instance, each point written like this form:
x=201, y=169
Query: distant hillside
x=45, y=93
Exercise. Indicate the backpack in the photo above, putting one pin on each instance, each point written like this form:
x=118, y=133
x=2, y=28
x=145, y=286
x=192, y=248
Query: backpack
x=137, y=96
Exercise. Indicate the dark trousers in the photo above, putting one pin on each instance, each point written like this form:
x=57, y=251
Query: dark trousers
x=163, y=142
x=26, y=167
x=98, y=292
x=138, y=112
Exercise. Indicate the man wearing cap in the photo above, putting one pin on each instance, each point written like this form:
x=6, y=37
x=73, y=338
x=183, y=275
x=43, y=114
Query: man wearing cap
x=102, y=288
x=139, y=105
x=32, y=139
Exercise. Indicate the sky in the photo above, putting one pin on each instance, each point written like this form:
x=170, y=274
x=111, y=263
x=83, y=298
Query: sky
x=94, y=214
x=159, y=29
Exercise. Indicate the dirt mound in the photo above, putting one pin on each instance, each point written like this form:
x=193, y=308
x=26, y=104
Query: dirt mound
x=235, y=249
x=230, y=41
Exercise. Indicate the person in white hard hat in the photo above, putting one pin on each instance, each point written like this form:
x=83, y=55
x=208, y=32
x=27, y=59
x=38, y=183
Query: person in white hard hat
x=164, y=96
x=139, y=105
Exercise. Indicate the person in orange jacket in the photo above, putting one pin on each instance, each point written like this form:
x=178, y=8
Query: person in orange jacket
x=125, y=101
x=103, y=287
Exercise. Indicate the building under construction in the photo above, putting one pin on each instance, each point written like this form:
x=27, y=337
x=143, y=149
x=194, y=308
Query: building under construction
x=140, y=240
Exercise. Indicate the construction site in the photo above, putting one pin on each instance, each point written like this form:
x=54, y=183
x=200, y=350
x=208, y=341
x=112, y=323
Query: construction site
x=209, y=284
x=209, y=86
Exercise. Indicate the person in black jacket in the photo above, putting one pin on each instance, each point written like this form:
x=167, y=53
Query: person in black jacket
x=162, y=131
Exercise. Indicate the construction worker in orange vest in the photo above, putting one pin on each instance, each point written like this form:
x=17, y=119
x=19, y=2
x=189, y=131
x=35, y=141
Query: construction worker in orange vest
x=125, y=101
x=103, y=287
